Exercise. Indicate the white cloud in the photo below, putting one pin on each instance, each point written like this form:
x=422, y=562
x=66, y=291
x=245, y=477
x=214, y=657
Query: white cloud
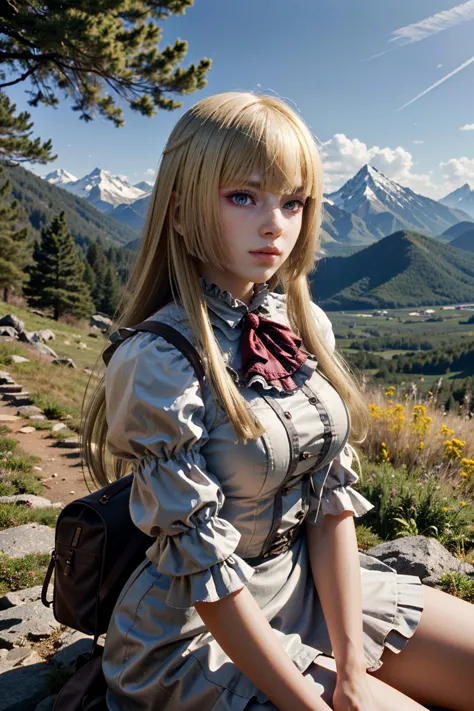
x=439, y=22
x=458, y=171
x=150, y=171
x=467, y=127
x=418, y=143
x=438, y=66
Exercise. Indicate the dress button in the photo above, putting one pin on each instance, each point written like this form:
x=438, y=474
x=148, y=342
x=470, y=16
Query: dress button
x=306, y=455
x=288, y=415
x=286, y=491
x=312, y=400
x=300, y=515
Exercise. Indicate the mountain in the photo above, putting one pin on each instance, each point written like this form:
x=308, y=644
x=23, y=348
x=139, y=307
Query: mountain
x=462, y=198
x=403, y=269
x=386, y=206
x=344, y=229
x=144, y=185
x=464, y=241
x=455, y=231
x=42, y=200
x=104, y=190
x=60, y=177
x=134, y=214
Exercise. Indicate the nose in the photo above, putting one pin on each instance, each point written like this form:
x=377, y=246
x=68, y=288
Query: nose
x=272, y=224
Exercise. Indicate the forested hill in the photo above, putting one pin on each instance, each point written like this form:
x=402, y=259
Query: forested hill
x=403, y=269
x=42, y=201
x=464, y=241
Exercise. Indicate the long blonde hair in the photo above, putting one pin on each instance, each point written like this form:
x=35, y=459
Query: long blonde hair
x=218, y=142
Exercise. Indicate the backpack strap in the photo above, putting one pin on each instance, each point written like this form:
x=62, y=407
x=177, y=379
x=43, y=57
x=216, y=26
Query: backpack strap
x=167, y=332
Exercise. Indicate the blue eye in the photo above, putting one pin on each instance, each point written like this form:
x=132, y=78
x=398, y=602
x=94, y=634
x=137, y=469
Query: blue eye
x=244, y=194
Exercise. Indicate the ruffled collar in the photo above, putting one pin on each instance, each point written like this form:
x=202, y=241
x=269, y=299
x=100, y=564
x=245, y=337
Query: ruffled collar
x=230, y=309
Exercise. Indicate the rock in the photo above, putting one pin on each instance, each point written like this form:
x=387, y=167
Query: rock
x=45, y=350
x=67, y=343
x=14, y=321
x=6, y=378
x=58, y=426
x=34, y=502
x=419, y=555
x=9, y=418
x=31, y=620
x=28, y=336
x=102, y=322
x=22, y=399
x=82, y=346
x=21, y=687
x=71, y=645
x=28, y=410
x=37, y=312
x=11, y=388
x=10, y=397
x=37, y=418
x=8, y=331
x=19, y=359
x=27, y=430
x=68, y=443
x=93, y=335
x=47, y=704
x=20, y=597
x=30, y=538
x=65, y=361
x=19, y=657
x=46, y=335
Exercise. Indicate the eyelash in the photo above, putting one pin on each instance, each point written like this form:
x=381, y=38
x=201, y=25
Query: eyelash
x=252, y=195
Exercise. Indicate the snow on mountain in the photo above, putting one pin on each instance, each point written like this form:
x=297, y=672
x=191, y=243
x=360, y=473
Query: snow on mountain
x=60, y=177
x=102, y=189
x=144, y=185
x=462, y=199
x=386, y=206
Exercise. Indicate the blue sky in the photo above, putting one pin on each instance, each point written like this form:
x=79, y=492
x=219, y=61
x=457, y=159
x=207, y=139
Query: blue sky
x=321, y=55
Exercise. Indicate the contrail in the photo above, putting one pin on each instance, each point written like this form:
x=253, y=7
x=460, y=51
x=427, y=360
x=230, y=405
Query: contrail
x=441, y=81
x=436, y=23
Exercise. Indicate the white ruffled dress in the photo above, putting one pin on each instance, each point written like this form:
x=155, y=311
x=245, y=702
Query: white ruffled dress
x=227, y=515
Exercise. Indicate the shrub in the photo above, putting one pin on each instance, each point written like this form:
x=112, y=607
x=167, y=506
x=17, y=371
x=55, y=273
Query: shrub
x=19, y=514
x=19, y=573
x=366, y=538
x=458, y=585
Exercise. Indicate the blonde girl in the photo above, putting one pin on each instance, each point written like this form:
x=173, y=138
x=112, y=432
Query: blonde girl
x=253, y=595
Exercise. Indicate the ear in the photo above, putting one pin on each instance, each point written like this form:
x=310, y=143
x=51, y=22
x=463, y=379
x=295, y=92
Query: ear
x=174, y=211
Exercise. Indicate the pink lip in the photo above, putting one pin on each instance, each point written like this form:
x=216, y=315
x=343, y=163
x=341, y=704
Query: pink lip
x=265, y=256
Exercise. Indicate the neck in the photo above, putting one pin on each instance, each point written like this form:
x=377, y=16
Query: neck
x=239, y=288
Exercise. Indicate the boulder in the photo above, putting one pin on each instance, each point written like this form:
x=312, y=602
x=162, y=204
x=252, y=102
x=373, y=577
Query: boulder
x=68, y=443
x=14, y=321
x=34, y=502
x=32, y=620
x=58, y=426
x=419, y=555
x=27, y=430
x=71, y=645
x=37, y=312
x=23, y=686
x=18, y=359
x=100, y=321
x=46, y=335
x=28, y=336
x=8, y=331
x=6, y=378
x=20, y=597
x=45, y=350
x=65, y=361
x=28, y=410
x=30, y=538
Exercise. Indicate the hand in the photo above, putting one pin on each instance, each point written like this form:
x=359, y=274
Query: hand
x=353, y=693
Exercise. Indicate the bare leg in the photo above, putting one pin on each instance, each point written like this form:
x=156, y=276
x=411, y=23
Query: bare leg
x=437, y=664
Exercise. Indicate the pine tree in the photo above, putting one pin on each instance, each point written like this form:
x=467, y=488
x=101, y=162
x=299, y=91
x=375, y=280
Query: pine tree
x=57, y=276
x=16, y=144
x=15, y=245
x=98, y=262
x=112, y=290
x=83, y=50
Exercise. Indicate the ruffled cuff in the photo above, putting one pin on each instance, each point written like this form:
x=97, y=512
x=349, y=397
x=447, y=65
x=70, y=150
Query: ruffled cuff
x=209, y=585
x=341, y=498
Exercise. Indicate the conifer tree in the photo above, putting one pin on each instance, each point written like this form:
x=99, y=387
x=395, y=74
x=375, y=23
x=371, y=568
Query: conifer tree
x=112, y=291
x=15, y=245
x=16, y=144
x=57, y=275
x=95, y=53
x=98, y=262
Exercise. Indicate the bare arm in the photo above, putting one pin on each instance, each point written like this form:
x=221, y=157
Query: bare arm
x=336, y=572
x=241, y=629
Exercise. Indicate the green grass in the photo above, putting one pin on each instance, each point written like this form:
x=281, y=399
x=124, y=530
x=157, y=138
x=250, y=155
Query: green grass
x=16, y=475
x=63, y=434
x=19, y=573
x=12, y=483
x=366, y=538
x=458, y=585
x=20, y=514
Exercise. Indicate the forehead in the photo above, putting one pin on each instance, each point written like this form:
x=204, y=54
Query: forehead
x=296, y=184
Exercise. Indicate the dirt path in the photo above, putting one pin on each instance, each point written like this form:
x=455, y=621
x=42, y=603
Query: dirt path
x=66, y=464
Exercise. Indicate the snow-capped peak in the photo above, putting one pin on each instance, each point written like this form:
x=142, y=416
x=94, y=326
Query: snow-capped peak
x=104, y=190
x=60, y=177
x=461, y=198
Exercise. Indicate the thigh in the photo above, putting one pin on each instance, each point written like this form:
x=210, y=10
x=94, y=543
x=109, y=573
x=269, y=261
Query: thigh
x=436, y=665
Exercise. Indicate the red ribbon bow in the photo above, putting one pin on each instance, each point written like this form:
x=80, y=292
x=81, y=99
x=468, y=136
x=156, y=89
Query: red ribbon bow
x=272, y=350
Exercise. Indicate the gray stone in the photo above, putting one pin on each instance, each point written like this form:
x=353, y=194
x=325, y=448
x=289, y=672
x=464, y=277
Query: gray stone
x=102, y=322
x=30, y=538
x=45, y=350
x=37, y=418
x=28, y=336
x=68, y=443
x=14, y=321
x=22, y=399
x=11, y=397
x=20, y=597
x=32, y=620
x=34, y=502
x=11, y=388
x=28, y=410
x=19, y=359
x=71, y=645
x=27, y=430
x=9, y=418
x=6, y=378
x=8, y=331
x=65, y=361
x=20, y=688
x=19, y=657
x=419, y=555
x=46, y=335
x=47, y=704
x=58, y=427
x=37, y=312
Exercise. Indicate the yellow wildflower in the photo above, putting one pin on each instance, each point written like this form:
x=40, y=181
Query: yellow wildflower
x=444, y=509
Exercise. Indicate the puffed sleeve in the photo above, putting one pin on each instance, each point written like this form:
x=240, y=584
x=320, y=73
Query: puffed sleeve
x=337, y=494
x=324, y=326
x=155, y=416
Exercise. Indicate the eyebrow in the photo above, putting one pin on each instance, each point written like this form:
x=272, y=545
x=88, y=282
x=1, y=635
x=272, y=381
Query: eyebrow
x=257, y=184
